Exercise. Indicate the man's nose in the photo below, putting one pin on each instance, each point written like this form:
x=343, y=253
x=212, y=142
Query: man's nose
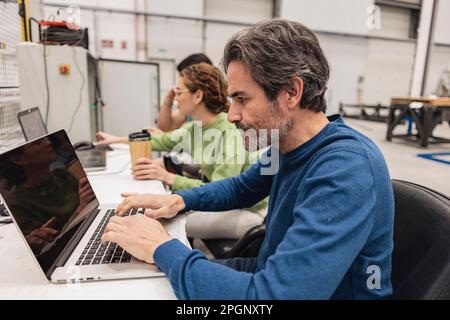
x=234, y=114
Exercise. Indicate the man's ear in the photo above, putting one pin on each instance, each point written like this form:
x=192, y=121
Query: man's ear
x=294, y=92
x=198, y=96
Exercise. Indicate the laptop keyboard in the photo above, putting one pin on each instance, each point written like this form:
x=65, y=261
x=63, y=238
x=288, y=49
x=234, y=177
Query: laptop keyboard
x=97, y=253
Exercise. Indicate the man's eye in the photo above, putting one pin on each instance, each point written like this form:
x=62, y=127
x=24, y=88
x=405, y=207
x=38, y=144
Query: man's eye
x=239, y=100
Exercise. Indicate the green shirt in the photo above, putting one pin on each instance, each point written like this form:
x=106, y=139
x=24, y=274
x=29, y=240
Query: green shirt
x=218, y=149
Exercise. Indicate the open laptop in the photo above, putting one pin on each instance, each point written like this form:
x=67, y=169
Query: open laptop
x=58, y=215
x=32, y=124
x=92, y=158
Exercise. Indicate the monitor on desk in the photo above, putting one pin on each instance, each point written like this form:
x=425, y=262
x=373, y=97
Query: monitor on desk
x=32, y=124
x=33, y=127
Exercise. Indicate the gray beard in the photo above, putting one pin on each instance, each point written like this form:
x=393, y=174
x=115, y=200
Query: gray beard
x=277, y=120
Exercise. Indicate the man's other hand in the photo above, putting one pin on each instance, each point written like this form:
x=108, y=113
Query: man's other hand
x=160, y=206
x=138, y=235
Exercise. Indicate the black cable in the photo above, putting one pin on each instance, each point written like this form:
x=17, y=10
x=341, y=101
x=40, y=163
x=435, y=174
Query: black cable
x=81, y=91
x=47, y=88
x=63, y=35
x=98, y=91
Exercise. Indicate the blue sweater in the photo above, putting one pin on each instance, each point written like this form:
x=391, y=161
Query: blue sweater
x=329, y=228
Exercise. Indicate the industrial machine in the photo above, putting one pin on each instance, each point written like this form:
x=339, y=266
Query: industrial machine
x=62, y=81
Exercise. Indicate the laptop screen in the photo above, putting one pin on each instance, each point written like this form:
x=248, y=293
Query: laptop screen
x=47, y=193
x=32, y=124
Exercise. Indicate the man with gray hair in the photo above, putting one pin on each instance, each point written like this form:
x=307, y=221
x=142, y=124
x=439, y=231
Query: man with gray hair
x=329, y=229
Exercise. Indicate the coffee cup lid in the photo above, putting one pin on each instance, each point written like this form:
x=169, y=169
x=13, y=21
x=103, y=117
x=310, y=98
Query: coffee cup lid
x=144, y=135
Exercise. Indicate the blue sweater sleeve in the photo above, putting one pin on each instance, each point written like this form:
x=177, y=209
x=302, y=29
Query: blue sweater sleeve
x=332, y=219
x=238, y=192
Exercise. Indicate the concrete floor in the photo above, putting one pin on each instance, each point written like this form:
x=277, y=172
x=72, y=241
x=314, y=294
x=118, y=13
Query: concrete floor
x=401, y=156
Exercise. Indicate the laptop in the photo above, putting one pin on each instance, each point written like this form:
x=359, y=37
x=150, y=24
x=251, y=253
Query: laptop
x=93, y=158
x=50, y=200
x=32, y=124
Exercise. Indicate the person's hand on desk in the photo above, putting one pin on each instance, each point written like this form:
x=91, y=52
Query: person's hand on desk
x=106, y=138
x=159, y=206
x=138, y=235
x=146, y=169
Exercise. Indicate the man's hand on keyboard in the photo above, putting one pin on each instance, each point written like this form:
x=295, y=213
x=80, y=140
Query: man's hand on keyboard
x=161, y=206
x=138, y=235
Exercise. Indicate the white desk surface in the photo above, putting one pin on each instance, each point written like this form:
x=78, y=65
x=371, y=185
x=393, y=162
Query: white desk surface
x=20, y=277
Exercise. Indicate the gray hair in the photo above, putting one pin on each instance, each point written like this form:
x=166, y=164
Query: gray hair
x=275, y=51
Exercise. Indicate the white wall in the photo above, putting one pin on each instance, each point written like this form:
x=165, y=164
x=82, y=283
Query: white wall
x=385, y=65
x=171, y=38
x=116, y=4
x=239, y=10
x=216, y=35
x=439, y=56
x=192, y=8
x=174, y=40
x=439, y=62
x=442, y=25
x=348, y=62
x=118, y=28
x=69, y=94
x=345, y=16
x=395, y=23
x=135, y=107
x=389, y=70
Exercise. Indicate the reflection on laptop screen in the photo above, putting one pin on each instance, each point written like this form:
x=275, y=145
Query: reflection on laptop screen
x=47, y=193
x=32, y=125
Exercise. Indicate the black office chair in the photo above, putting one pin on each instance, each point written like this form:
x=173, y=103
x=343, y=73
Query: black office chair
x=245, y=247
x=421, y=257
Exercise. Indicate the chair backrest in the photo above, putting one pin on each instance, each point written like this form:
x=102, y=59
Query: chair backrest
x=249, y=245
x=421, y=256
x=246, y=247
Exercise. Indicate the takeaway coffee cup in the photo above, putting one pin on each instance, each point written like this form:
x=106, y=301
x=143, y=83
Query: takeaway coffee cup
x=140, y=145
